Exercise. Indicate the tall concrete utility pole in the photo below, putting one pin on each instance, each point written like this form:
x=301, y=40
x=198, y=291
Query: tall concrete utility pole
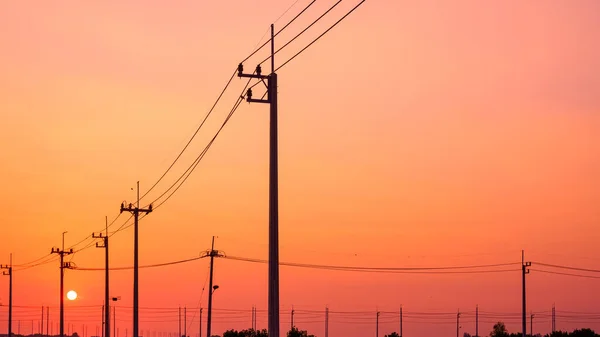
x=104, y=245
x=377, y=325
x=62, y=252
x=136, y=213
x=273, y=324
x=9, y=272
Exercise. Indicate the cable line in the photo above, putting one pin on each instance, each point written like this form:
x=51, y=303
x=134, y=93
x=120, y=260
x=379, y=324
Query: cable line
x=318, y=37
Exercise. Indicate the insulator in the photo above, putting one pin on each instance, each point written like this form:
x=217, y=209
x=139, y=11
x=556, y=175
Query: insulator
x=258, y=70
x=249, y=93
x=240, y=68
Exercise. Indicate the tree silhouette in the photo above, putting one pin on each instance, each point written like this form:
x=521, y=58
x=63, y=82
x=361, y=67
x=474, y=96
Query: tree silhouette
x=294, y=332
x=499, y=330
x=393, y=334
x=245, y=333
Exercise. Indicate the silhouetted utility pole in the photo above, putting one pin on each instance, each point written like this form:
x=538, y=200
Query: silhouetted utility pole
x=273, y=328
x=531, y=325
x=400, y=321
x=477, y=321
x=104, y=245
x=47, y=321
x=377, y=325
x=42, y=323
x=115, y=321
x=457, y=323
x=200, y=335
x=326, y=322
x=185, y=321
x=62, y=252
x=292, y=325
x=179, y=334
x=553, y=318
x=136, y=213
x=525, y=266
x=252, y=323
x=213, y=253
x=10, y=292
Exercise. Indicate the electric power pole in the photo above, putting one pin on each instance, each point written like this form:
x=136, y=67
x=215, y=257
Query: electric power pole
x=213, y=253
x=400, y=321
x=457, y=323
x=553, y=318
x=62, y=252
x=9, y=272
x=42, y=323
x=185, y=321
x=136, y=212
x=377, y=325
x=104, y=245
x=252, y=323
x=179, y=335
x=200, y=322
x=273, y=324
x=292, y=325
x=326, y=322
x=525, y=266
x=477, y=321
x=48, y=321
x=531, y=325
x=103, y=320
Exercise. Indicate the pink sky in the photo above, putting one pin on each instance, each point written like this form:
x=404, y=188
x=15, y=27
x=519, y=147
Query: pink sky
x=423, y=133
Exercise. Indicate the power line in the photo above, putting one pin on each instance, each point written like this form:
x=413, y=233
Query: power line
x=193, y=166
x=302, y=32
x=565, y=274
x=145, y=266
x=374, y=268
x=277, y=33
x=318, y=37
x=567, y=267
x=193, y=136
x=416, y=270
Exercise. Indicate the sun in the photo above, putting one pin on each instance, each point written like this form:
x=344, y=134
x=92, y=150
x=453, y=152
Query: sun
x=72, y=295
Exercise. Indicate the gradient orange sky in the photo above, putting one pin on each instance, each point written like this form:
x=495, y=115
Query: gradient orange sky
x=414, y=134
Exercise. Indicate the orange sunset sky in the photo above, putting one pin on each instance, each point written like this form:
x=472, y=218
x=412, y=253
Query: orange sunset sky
x=415, y=133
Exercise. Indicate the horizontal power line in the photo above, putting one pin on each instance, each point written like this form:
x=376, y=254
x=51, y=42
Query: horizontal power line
x=566, y=267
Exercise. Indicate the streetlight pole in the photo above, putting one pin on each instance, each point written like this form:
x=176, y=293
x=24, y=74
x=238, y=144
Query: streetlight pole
x=114, y=299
